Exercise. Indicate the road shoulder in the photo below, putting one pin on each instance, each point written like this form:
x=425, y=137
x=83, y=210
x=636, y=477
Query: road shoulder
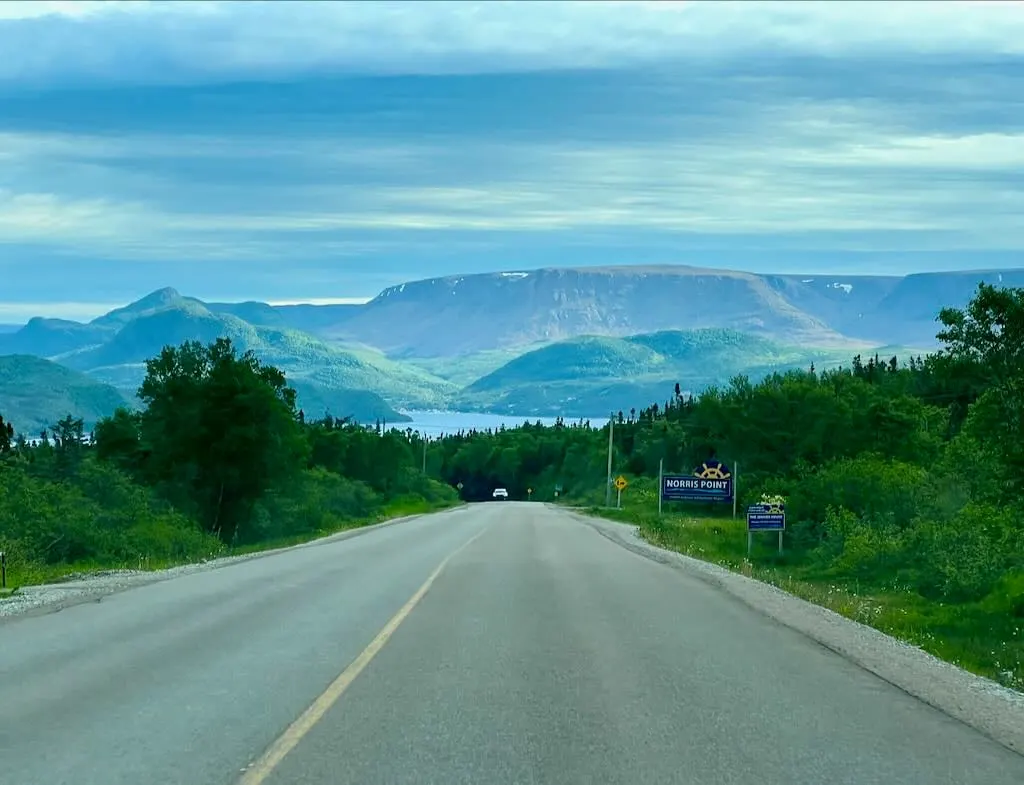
x=980, y=703
x=42, y=599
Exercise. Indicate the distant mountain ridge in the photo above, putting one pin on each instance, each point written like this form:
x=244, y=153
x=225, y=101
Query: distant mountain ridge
x=464, y=314
x=454, y=315
x=548, y=341
x=113, y=349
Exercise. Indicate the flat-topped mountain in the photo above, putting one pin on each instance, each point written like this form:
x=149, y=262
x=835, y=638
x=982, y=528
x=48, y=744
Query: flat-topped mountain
x=455, y=315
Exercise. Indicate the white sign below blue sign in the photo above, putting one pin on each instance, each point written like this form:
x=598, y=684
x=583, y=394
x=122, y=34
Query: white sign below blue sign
x=766, y=517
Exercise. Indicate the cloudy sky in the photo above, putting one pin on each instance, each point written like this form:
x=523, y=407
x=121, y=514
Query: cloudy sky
x=295, y=151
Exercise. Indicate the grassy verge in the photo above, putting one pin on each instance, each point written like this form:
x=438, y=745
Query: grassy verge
x=974, y=636
x=35, y=574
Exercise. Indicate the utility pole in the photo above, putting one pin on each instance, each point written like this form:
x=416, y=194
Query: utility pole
x=661, y=483
x=608, y=485
x=424, y=453
x=735, y=486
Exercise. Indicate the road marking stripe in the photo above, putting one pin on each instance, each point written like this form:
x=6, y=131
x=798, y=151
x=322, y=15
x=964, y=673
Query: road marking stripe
x=264, y=766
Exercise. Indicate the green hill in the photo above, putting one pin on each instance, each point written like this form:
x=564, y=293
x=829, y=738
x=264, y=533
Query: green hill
x=592, y=375
x=676, y=354
x=35, y=393
x=120, y=360
x=578, y=359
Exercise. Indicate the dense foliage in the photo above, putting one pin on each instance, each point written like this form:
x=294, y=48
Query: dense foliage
x=217, y=458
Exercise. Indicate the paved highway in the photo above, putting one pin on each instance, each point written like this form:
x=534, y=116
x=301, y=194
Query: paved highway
x=541, y=652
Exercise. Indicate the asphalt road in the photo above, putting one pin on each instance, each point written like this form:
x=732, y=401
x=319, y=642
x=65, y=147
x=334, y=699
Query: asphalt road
x=541, y=653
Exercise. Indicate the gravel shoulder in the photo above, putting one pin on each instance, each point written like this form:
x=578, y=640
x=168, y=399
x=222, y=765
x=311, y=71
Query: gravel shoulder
x=94, y=586
x=980, y=703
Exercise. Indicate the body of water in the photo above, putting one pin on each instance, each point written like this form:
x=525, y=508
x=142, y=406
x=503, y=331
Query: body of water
x=434, y=424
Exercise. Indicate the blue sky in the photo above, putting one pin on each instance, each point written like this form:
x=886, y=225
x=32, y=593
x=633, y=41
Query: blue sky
x=323, y=151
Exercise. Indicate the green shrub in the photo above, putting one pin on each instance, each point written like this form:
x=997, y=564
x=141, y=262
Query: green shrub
x=881, y=493
x=1006, y=599
x=965, y=557
x=859, y=548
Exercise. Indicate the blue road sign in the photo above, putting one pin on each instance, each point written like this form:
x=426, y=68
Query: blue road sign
x=711, y=482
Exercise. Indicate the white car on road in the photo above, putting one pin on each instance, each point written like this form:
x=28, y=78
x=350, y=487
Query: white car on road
x=500, y=493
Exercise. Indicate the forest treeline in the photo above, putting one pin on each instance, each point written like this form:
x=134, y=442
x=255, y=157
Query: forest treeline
x=904, y=472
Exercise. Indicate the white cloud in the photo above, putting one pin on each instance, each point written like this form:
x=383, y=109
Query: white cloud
x=802, y=176
x=34, y=9
x=32, y=217
x=323, y=301
x=21, y=312
x=158, y=42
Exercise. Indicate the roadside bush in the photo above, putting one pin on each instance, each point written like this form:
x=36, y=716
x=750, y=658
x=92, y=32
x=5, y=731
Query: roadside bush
x=53, y=522
x=411, y=483
x=98, y=515
x=319, y=500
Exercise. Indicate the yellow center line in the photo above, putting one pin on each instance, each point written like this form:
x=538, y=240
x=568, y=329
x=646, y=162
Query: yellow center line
x=264, y=766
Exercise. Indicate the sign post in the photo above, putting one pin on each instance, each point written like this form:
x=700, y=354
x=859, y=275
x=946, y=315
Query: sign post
x=611, y=444
x=620, y=486
x=3, y=570
x=735, y=480
x=529, y=494
x=661, y=475
x=767, y=516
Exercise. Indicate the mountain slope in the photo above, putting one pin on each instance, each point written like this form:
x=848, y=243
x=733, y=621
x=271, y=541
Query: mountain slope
x=35, y=393
x=362, y=406
x=459, y=315
x=316, y=319
x=907, y=313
